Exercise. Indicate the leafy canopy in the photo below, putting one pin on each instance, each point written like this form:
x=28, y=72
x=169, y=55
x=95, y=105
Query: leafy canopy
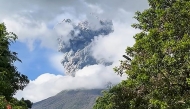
x=10, y=79
x=159, y=72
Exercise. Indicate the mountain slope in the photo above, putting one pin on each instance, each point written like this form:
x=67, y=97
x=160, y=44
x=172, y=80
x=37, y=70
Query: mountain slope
x=71, y=99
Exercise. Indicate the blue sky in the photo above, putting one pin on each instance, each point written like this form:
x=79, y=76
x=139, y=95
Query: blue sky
x=34, y=63
x=37, y=44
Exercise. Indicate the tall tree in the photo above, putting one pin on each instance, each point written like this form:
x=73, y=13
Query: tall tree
x=10, y=79
x=159, y=72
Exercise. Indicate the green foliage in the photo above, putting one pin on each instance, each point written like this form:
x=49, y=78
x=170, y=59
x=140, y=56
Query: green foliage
x=3, y=102
x=18, y=104
x=10, y=79
x=159, y=73
x=27, y=102
x=14, y=103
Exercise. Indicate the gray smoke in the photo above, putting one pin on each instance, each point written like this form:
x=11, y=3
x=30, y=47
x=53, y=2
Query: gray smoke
x=77, y=50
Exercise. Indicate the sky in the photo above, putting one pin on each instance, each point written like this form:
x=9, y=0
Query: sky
x=37, y=46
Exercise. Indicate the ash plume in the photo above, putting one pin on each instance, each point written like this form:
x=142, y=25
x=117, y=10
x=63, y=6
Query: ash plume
x=77, y=48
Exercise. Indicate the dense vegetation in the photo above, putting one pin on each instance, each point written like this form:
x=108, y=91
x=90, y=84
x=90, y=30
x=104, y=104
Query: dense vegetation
x=10, y=79
x=159, y=68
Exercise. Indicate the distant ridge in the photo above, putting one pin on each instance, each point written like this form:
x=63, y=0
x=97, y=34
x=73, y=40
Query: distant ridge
x=70, y=99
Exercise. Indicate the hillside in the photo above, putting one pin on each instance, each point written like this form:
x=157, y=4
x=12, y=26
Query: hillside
x=71, y=99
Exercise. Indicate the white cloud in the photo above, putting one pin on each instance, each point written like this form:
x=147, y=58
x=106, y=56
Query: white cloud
x=29, y=31
x=30, y=19
x=113, y=46
x=47, y=85
x=63, y=29
x=55, y=61
x=96, y=8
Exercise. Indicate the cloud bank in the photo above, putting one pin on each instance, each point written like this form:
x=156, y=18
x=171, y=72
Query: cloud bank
x=91, y=77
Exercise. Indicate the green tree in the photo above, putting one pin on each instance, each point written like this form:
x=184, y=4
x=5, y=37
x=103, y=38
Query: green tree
x=10, y=79
x=27, y=102
x=3, y=102
x=15, y=103
x=159, y=72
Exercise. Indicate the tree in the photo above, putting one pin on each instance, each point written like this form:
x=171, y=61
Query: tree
x=10, y=79
x=159, y=70
x=27, y=102
x=15, y=103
